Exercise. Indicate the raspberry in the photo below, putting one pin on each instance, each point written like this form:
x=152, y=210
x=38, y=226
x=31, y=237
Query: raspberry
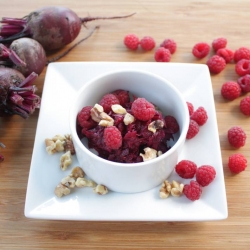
x=192, y=191
x=131, y=41
x=237, y=163
x=122, y=95
x=200, y=50
x=245, y=105
x=112, y=137
x=107, y=101
x=171, y=124
x=186, y=169
x=236, y=136
x=205, y=175
x=142, y=109
x=84, y=118
x=200, y=116
x=242, y=67
x=216, y=64
x=244, y=83
x=225, y=53
x=190, y=108
x=241, y=53
x=169, y=44
x=230, y=90
x=219, y=43
x=147, y=43
x=162, y=55
x=193, y=129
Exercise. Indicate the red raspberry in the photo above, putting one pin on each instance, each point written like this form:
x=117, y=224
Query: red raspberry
x=171, y=124
x=112, y=137
x=200, y=50
x=237, y=163
x=244, y=83
x=242, y=53
x=147, y=43
x=193, y=129
x=200, y=116
x=122, y=95
x=190, y=108
x=245, y=105
x=236, y=136
x=131, y=41
x=84, y=118
x=216, y=64
x=192, y=191
x=230, y=90
x=186, y=169
x=242, y=67
x=219, y=43
x=205, y=175
x=142, y=109
x=225, y=53
x=162, y=55
x=169, y=44
x=107, y=101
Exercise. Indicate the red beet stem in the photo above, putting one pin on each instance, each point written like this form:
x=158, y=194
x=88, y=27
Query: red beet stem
x=88, y=19
x=6, y=53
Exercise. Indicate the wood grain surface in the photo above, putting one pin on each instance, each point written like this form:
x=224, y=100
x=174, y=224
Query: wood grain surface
x=187, y=22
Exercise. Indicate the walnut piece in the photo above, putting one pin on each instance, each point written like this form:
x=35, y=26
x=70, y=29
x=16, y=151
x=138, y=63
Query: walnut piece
x=58, y=137
x=100, y=189
x=65, y=160
x=83, y=182
x=118, y=109
x=150, y=154
x=175, y=189
x=77, y=172
x=68, y=181
x=95, y=112
x=68, y=145
x=59, y=146
x=61, y=190
x=56, y=144
x=106, y=120
x=128, y=119
x=157, y=124
x=50, y=146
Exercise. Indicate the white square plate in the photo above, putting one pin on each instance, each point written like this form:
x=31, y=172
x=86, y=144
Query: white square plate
x=61, y=84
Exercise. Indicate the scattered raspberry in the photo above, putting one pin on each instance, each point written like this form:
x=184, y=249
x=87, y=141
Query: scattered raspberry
x=219, y=43
x=131, y=41
x=237, y=163
x=84, y=118
x=169, y=44
x=205, y=175
x=192, y=191
x=216, y=64
x=230, y=90
x=242, y=67
x=193, y=129
x=225, y=53
x=241, y=53
x=190, y=108
x=142, y=109
x=236, y=136
x=112, y=137
x=244, y=83
x=200, y=50
x=107, y=101
x=122, y=95
x=171, y=124
x=186, y=169
x=245, y=105
x=147, y=43
x=200, y=116
x=162, y=55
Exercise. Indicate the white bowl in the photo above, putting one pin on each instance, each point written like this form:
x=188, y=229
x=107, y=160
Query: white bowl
x=131, y=177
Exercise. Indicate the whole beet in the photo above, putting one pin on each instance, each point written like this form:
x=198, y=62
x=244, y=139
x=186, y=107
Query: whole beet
x=53, y=27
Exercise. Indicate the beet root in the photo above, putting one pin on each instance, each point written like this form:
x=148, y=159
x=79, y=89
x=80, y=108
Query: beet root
x=17, y=94
x=53, y=27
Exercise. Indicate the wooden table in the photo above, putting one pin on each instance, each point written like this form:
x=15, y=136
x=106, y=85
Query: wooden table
x=188, y=22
